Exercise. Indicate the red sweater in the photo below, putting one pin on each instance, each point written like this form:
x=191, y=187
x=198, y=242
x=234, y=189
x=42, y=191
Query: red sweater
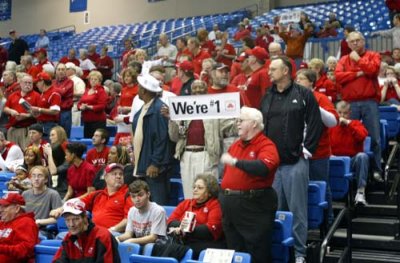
x=258, y=148
x=348, y=140
x=98, y=100
x=208, y=214
x=18, y=238
x=65, y=88
x=324, y=146
x=257, y=86
x=359, y=88
x=105, y=65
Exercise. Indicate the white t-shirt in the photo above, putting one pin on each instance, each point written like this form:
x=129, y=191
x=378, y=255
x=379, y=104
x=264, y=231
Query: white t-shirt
x=153, y=221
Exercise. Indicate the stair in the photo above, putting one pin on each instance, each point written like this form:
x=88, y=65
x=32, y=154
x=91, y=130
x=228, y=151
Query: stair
x=365, y=256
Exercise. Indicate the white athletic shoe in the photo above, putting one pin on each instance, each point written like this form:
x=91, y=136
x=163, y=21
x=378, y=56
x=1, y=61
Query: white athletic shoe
x=300, y=260
x=360, y=199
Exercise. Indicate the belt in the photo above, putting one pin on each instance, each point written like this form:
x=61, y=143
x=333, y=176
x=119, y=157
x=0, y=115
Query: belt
x=251, y=192
x=197, y=149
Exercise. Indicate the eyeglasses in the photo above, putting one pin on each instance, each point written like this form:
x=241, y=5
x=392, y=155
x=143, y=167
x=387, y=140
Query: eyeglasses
x=198, y=187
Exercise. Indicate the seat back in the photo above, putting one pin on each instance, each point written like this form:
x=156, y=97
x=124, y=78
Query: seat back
x=339, y=176
x=391, y=115
x=44, y=254
x=316, y=203
x=125, y=250
x=51, y=242
x=176, y=192
x=61, y=225
x=149, y=259
x=238, y=257
x=169, y=209
x=282, y=236
x=148, y=249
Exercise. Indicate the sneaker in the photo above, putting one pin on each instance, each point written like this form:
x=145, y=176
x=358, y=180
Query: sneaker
x=378, y=177
x=300, y=260
x=360, y=199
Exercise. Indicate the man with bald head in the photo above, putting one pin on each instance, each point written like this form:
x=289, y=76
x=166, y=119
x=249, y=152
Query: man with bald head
x=357, y=73
x=297, y=107
x=275, y=50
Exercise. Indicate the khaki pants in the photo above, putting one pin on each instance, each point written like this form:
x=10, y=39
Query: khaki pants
x=18, y=136
x=192, y=164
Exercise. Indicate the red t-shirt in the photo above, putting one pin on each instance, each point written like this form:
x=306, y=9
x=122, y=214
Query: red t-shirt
x=258, y=148
x=228, y=49
x=128, y=93
x=239, y=35
x=80, y=178
x=236, y=69
x=108, y=210
x=50, y=99
x=195, y=133
x=208, y=46
x=13, y=103
x=97, y=159
x=257, y=86
x=348, y=140
x=324, y=146
x=93, y=57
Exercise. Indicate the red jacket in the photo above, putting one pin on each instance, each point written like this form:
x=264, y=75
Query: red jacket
x=359, y=88
x=239, y=35
x=258, y=148
x=324, y=146
x=348, y=140
x=326, y=87
x=96, y=244
x=258, y=83
x=65, y=88
x=98, y=100
x=18, y=238
x=344, y=48
x=208, y=213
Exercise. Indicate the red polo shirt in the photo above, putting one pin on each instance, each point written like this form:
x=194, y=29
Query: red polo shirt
x=80, y=178
x=50, y=99
x=198, y=60
x=108, y=210
x=257, y=86
x=13, y=103
x=258, y=148
x=65, y=88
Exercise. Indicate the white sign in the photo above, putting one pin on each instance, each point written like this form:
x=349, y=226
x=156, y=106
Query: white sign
x=210, y=106
x=290, y=17
x=218, y=255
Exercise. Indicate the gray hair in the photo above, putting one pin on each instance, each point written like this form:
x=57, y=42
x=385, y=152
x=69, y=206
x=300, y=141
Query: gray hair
x=331, y=58
x=254, y=115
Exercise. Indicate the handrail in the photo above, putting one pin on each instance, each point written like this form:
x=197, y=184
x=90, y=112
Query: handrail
x=61, y=28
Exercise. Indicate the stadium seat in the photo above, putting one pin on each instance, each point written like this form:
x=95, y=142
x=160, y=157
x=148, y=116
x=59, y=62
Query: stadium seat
x=316, y=203
x=238, y=257
x=169, y=209
x=282, y=239
x=176, y=192
x=391, y=115
x=127, y=249
x=149, y=259
x=340, y=176
x=148, y=249
x=76, y=132
x=44, y=254
x=51, y=242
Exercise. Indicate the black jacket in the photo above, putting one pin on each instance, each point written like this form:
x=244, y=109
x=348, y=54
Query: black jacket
x=299, y=108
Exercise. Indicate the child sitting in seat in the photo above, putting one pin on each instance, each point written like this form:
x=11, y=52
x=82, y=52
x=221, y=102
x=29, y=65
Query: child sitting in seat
x=20, y=182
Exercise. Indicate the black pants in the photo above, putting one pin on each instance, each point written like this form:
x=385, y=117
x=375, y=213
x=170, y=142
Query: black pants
x=248, y=223
x=90, y=127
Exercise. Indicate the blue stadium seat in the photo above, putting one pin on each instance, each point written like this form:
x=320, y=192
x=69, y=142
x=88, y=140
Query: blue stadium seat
x=238, y=257
x=127, y=249
x=282, y=239
x=339, y=176
x=391, y=115
x=169, y=209
x=51, y=242
x=76, y=132
x=176, y=192
x=148, y=249
x=149, y=259
x=316, y=203
x=44, y=254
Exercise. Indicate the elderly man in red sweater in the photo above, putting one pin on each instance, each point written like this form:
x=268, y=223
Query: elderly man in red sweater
x=347, y=139
x=357, y=73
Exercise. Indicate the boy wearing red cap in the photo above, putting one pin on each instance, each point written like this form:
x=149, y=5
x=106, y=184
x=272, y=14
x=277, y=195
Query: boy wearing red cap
x=18, y=230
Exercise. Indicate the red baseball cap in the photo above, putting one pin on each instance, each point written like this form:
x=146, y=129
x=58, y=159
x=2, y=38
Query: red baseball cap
x=186, y=66
x=259, y=52
x=41, y=50
x=42, y=76
x=12, y=198
x=113, y=166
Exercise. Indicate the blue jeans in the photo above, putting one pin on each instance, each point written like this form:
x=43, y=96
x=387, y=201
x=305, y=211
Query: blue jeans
x=291, y=186
x=159, y=188
x=319, y=171
x=360, y=165
x=368, y=112
x=66, y=121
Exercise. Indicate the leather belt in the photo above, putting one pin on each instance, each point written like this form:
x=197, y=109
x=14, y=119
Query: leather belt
x=196, y=149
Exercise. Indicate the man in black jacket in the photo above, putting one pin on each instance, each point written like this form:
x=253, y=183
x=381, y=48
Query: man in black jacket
x=288, y=110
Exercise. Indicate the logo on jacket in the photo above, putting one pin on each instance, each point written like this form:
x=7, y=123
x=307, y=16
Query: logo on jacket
x=5, y=233
x=252, y=154
x=90, y=250
x=294, y=101
x=205, y=210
